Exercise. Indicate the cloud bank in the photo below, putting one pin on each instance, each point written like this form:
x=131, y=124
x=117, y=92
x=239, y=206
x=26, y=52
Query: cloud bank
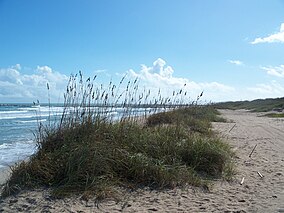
x=18, y=87
x=276, y=37
x=161, y=76
x=272, y=89
x=275, y=71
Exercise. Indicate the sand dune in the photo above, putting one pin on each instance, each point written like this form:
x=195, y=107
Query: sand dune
x=262, y=174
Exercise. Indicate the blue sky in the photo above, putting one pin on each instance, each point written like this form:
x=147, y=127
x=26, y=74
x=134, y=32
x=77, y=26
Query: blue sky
x=230, y=49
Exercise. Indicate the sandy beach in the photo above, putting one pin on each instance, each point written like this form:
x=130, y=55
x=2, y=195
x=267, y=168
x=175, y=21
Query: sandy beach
x=261, y=174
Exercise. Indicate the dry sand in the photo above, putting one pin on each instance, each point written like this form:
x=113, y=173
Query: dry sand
x=256, y=194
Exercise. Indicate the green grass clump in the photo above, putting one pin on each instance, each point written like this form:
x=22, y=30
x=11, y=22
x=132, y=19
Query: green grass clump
x=196, y=118
x=89, y=153
x=275, y=115
x=259, y=105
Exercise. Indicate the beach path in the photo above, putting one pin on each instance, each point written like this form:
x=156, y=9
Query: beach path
x=252, y=131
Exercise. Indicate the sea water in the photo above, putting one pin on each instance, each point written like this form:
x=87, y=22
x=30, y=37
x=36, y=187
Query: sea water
x=19, y=124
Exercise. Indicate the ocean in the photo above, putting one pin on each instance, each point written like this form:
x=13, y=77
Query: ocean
x=19, y=123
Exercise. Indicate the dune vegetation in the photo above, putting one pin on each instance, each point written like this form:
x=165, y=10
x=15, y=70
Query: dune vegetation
x=275, y=115
x=259, y=105
x=168, y=143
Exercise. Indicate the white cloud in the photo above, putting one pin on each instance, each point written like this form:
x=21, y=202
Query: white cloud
x=161, y=76
x=18, y=87
x=44, y=69
x=272, y=89
x=276, y=37
x=275, y=71
x=15, y=86
x=17, y=67
x=236, y=62
x=11, y=75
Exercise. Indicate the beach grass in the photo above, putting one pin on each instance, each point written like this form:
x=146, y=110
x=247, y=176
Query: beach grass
x=90, y=153
x=259, y=105
x=275, y=115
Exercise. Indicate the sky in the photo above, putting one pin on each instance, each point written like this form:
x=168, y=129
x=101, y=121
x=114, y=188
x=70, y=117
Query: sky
x=229, y=49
